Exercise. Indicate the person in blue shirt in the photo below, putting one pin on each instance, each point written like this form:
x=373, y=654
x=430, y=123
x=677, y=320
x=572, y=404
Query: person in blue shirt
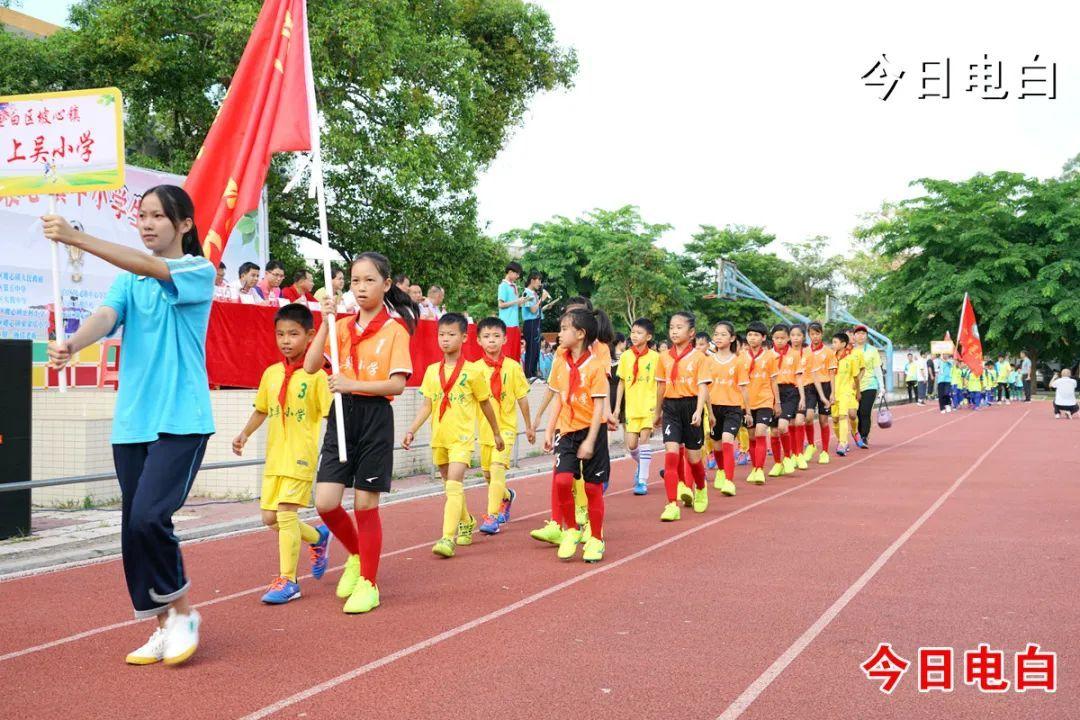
x=162, y=419
x=510, y=301
x=944, y=384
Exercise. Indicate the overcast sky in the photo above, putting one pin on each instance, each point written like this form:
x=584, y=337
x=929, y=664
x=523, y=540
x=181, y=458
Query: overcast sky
x=755, y=113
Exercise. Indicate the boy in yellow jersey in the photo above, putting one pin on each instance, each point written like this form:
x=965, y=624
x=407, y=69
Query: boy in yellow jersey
x=453, y=389
x=296, y=402
x=637, y=384
x=850, y=367
x=509, y=388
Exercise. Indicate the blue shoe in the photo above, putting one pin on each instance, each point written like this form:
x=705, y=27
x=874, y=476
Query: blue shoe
x=641, y=488
x=710, y=463
x=320, y=552
x=841, y=450
x=489, y=525
x=504, y=511
x=281, y=591
x=859, y=442
x=604, y=486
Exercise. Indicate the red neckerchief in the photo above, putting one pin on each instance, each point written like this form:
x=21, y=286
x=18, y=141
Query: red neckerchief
x=283, y=393
x=753, y=357
x=575, y=376
x=677, y=358
x=782, y=354
x=448, y=385
x=843, y=353
x=496, y=376
x=637, y=356
x=354, y=340
x=815, y=348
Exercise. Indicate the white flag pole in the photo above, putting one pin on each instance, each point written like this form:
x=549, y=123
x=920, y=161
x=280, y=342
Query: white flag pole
x=324, y=232
x=58, y=303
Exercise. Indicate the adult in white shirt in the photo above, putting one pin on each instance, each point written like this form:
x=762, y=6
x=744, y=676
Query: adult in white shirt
x=431, y=307
x=921, y=376
x=246, y=291
x=1064, y=394
x=222, y=291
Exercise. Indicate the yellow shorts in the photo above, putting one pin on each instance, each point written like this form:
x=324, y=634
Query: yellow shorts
x=456, y=453
x=489, y=455
x=844, y=403
x=637, y=424
x=277, y=489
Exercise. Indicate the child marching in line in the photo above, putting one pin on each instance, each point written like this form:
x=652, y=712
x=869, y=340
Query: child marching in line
x=742, y=452
x=373, y=347
x=802, y=378
x=989, y=383
x=818, y=392
x=296, y=402
x=725, y=405
x=958, y=384
x=682, y=392
x=850, y=367
x=574, y=433
x=637, y=384
x=758, y=370
x=787, y=381
x=509, y=388
x=456, y=388
x=974, y=388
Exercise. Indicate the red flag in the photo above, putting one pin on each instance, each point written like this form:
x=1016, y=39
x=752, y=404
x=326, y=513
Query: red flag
x=968, y=344
x=265, y=111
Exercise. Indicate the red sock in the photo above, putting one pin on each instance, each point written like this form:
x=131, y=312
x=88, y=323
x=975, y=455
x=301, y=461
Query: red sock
x=728, y=460
x=825, y=430
x=341, y=524
x=564, y=487
x=369, y=539
x=556, y=511
x=697, y=471
x=758, y=450
x=718, y=456
x=799, y=438
x=777, y=451
x=785, y=441
x=681, y=471
x=595, y=492
x=671, y=474
x=808, y=429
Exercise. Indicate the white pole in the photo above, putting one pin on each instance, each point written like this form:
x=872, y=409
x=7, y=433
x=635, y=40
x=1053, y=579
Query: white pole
x=58, y=303
x=324, y=232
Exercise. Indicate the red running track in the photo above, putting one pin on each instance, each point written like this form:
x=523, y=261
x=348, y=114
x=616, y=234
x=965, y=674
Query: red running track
x=952, y=530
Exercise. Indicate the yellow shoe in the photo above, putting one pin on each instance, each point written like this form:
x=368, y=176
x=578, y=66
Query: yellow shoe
x=777, y=470
x=728, y=489
x=808, y=454
x=800, y=462
x=568, y=545
x=789, y=465
x=349, y=578
x=756, y=477
x=586, y=531
x=671, y=512
x=550, y=533
x=720, y=480
x=701, y=500
x=594, y=550
x=365, y=598
x=444, y=548
x=823, y=459
x=685, y=494
x=465, y=531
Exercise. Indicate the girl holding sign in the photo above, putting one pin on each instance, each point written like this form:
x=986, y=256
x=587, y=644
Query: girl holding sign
x=162, y=419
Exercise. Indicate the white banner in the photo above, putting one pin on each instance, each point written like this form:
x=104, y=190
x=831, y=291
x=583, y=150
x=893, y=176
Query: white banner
x=111, y=215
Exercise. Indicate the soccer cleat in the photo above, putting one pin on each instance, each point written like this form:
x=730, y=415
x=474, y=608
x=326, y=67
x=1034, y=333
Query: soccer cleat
x=685, y=494
x=365, y=598
x=181, y=637
x=789, y=465
x=808, y=455
x=800, y=461
x=569, y=542
x=550, y=533
x=842, y=450
x=728, y=489
x=465, y=531
x=777, y=470
x=701, y=500
x=593, y=551
x=320, y=552
x=823, y=458
x=444, y=547
x=151, y=652
x=641, y=488
x=581, y=515
x=860, y=443
x=671, y=512
x=857, y=438
x=719, y=480
x=756, y=476
x=504, y=510
x=281, y=591
x=347, y=583
x=489, y=525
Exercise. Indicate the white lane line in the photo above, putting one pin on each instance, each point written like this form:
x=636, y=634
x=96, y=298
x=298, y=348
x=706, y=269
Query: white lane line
x=525, y=602
x=765, y=679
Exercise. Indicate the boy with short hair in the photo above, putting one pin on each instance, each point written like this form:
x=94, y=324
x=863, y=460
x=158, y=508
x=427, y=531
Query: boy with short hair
x=636, y=375
x=509, y=388
x=850, y=367
x=455, y=388
x=296, y=402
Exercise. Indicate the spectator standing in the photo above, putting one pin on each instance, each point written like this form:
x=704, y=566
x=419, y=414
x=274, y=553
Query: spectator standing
x=911, y=378
x=921, y=379
x=931, y=375
x=301, y=288
x=530, y=322
x=869, y=386
x=509, y=300
x=1025, y=374
x=543, y=366
x=269, y=288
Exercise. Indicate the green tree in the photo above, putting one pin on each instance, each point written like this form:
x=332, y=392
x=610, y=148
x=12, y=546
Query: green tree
x=812, y=274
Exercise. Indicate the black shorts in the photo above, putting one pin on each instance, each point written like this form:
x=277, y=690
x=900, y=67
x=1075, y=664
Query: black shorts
x=369, y=442
x=789, y=402
x=814, y=401
x=678, y=412
x=763, y=416
x=729, y=418
x=596, y=469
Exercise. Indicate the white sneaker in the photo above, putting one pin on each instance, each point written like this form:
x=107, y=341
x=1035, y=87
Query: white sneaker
x=181, y=637
x=152, y=652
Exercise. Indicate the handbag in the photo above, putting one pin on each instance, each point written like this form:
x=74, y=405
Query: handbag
x=884, y=414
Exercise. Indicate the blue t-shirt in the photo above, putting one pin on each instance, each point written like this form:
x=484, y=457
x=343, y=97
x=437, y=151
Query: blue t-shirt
x=163, y=383
x=508, y=293
x=526, y=309
x=945, y=376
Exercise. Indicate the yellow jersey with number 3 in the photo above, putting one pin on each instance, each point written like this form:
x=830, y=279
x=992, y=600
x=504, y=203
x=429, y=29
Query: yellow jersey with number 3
x=292, y=446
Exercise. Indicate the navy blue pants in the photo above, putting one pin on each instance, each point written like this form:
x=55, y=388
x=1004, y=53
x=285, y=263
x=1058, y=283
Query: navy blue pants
x=155, y=478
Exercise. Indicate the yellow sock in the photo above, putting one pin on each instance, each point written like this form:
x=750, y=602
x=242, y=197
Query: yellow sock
x=844, y=430
x=307, y=533
x=581, y=500
x=455, y=504
x=466, y=516
x=496, y=489
x=288, y=527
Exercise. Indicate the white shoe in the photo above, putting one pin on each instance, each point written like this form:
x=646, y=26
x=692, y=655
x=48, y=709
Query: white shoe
x=181, y=637
x=942, y=412
x=152, y=652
